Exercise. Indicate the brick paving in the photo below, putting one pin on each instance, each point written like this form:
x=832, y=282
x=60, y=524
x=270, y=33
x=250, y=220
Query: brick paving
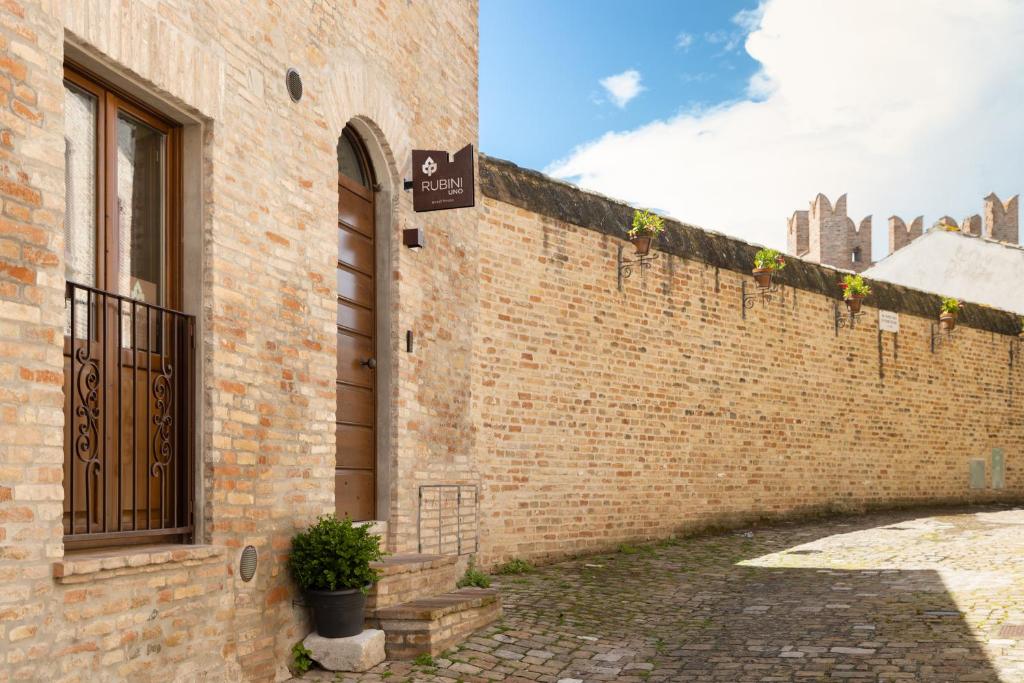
x=933, y=595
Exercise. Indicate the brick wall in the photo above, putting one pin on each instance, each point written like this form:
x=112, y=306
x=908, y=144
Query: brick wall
x=262, y=241
x=608, y=415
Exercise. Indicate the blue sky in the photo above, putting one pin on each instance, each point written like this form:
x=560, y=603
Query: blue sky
x=911, y=108
x=541, y=63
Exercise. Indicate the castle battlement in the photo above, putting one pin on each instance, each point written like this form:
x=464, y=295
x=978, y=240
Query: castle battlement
x=825, y=234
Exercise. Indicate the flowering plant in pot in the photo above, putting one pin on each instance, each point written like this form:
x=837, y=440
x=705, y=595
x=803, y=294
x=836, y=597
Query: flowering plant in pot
x=766, y=262
x=331, y=563
x=854, y=290
x=948, y=312
x=646, y=226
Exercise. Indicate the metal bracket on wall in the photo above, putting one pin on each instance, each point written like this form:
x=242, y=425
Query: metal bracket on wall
x=642, y=262
x=940, y=337
x=406, y=185
x=765, y=294
x=848, y=319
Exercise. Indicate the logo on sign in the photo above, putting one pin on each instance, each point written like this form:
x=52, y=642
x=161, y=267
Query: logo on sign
x=440, y=181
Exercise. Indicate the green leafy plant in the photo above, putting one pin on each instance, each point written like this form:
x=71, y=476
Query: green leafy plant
x=515, y=566
x=769, y=259
x=646, y=224
x=302, y=659
x=473, y=577
x=854, y=285
x=334, y=555
x=423, y=659
x=950, y=305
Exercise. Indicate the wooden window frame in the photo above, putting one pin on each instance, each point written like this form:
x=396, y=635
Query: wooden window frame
x=112, y=101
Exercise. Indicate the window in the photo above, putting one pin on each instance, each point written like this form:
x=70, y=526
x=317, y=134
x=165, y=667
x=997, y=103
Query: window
x=127, y=349
x=855, y=256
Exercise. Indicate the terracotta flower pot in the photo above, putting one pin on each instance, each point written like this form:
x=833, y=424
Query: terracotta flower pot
x=947, y=321
x=763, y=277
x=642, y=243
x=853, y=302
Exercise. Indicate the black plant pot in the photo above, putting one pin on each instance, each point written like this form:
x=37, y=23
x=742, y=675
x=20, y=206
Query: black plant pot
x=337, y=614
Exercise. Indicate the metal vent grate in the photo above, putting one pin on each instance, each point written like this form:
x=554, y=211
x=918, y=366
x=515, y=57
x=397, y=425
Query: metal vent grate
x=293, y=80
x=247, y=565
x=448, y=519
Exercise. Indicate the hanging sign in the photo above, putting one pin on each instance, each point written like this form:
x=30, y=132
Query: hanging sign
x=888, y=321
x=440, y=182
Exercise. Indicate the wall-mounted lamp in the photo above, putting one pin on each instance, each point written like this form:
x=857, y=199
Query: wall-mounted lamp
x=413, y=238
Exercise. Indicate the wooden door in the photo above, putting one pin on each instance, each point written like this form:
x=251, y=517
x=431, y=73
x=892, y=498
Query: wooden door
x=355, y=476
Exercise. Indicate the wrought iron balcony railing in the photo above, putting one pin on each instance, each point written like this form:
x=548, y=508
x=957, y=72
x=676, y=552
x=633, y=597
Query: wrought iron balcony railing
x=129, y=372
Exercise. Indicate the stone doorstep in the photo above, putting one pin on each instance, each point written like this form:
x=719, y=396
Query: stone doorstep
x=411, y=576
x=432, y=625
x=433, y=608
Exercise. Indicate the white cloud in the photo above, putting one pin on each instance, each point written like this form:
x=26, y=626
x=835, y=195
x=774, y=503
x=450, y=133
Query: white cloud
x=623, y=87
x=912, y=107
x=684, y=40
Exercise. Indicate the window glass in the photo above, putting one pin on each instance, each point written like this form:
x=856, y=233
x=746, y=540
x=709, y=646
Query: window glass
x=80, y=125
x=140, y=211
x=348, y=161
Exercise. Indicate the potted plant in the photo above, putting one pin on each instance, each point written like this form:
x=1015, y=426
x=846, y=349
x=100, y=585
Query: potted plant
x=330, y=562
x=766, y=262
x=948, y=312
x=646, y=226
x=854, y=290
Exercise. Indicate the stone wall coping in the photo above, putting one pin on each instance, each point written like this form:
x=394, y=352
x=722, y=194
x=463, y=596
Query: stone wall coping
x=403, y=563
x=506, y=182
x=87, y=565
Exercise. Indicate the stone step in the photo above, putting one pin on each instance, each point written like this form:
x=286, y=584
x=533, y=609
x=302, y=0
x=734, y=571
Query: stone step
x=408, y=576
x=432, y=625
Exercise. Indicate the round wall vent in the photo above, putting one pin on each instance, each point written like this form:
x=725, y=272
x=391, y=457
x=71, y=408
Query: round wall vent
x=247, y=565
x=293, y=80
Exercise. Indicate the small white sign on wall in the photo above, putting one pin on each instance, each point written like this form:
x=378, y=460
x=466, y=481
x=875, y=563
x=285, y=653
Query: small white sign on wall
x=888, y=321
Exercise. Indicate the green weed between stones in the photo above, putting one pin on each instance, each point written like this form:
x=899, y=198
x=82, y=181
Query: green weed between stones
x=423, y=659
x=474, y=577
x=301, y=659
x=515, y=566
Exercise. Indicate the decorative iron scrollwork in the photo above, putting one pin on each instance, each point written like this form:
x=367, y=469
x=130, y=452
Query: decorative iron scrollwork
x=940, y=336
x=163, y=396
x=765, y=294
x=642, y=262
x=87, y=385
x=849, y=319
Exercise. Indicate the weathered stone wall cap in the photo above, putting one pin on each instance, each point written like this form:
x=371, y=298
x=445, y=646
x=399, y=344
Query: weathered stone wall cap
x=506, y=182
x=411, y=562
x=76, y=564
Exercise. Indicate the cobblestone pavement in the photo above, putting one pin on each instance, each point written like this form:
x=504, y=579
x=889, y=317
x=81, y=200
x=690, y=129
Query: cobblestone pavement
x=933, y=595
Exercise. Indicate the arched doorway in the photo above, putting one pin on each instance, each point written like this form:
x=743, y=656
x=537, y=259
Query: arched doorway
x=355, y=461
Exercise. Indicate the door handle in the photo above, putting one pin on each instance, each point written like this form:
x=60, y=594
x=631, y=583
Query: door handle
x=369, y=363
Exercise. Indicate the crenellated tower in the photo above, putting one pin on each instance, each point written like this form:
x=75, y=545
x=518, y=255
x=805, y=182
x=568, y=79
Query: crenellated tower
x=825, y=234
x=1001, y=219
x=901, y=234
